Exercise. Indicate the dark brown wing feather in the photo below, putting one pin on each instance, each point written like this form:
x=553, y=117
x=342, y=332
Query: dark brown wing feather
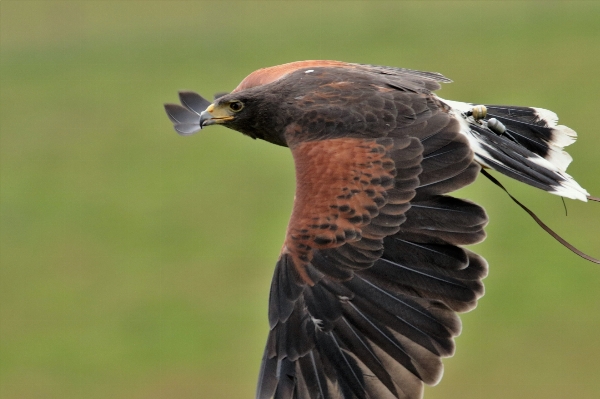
x=367, y=309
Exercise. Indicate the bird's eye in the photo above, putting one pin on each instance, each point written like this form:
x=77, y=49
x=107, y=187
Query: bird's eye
x=236, y=106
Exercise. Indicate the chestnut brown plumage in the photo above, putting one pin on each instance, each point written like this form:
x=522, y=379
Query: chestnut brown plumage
x=372, y=272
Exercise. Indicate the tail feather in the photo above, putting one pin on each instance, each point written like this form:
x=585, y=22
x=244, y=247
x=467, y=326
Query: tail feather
x=536, y=130
x=528, y=149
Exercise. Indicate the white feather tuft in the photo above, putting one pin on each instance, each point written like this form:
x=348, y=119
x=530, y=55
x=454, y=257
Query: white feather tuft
x=545, y=115
x=561, y=159
x=568, y=187
x=563, y=136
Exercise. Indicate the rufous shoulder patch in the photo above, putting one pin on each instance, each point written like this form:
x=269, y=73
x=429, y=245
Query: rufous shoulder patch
x=340, y=187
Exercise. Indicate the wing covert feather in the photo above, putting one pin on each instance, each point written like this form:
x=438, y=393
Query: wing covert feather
x=341, y=186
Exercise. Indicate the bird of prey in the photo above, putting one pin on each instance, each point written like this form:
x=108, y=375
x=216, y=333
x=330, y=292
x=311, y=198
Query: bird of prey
x=373, y=269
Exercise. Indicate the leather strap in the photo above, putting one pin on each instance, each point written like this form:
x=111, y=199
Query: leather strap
x=542, y=224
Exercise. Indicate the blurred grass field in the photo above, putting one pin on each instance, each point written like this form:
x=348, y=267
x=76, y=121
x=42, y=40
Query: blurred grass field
x=136, y=263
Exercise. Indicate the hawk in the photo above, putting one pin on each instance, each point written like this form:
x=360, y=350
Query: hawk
x=373, y=269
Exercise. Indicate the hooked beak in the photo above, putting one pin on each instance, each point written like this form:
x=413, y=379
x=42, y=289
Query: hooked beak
x=194, y=113
x=211, y=116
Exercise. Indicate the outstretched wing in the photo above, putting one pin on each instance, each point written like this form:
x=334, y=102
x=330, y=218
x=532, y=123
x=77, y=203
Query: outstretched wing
x=364, y=296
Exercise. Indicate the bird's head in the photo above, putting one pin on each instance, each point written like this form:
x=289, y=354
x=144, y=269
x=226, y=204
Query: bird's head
x=232, y=111
x=235, y=111
x=249, y=112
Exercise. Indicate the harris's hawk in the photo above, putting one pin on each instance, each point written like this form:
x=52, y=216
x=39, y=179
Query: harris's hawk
x=372, y=273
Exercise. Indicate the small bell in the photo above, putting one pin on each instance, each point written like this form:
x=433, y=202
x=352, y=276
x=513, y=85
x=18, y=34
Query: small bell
x=478, y=112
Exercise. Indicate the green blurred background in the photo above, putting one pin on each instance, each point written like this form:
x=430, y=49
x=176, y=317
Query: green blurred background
x=136, y=263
